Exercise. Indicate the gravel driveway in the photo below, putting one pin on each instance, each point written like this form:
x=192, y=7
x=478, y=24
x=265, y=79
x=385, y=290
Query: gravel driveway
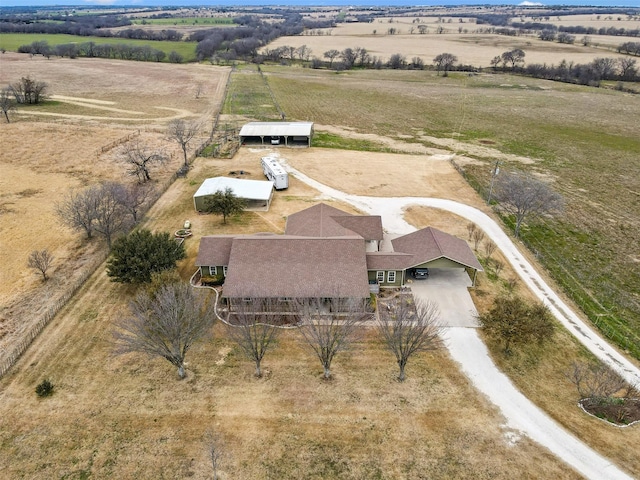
x=465, y=345
x=448, y=288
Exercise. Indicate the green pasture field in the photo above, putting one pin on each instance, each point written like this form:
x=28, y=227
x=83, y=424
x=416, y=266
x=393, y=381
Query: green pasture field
x=12, y=41
x=584, y=139
x=249, y=95
x=183, y=21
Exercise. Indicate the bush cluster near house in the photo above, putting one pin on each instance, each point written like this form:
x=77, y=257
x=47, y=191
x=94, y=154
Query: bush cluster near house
x=137, y=256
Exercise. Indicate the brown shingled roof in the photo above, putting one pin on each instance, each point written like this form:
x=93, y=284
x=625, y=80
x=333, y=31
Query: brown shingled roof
x=368, y=227
x=323, y=220
x=316, y=221
x=388, y=260
x=430, y=244
x=299, y=267
x=214, y=250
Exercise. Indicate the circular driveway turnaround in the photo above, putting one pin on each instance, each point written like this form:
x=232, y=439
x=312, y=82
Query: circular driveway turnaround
x=465, y=345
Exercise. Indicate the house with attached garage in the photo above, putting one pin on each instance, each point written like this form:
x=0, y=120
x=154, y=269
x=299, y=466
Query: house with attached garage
x=325, y=253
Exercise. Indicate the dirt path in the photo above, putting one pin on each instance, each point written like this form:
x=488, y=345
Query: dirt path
x=449, y=145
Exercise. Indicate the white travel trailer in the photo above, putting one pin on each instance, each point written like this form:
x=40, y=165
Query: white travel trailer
x=275, y=172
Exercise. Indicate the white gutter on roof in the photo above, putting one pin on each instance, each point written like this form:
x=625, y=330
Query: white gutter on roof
x=277, y=129
x=249, y=189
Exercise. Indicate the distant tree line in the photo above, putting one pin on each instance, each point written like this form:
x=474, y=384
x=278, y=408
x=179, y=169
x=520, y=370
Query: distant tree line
x=622, y=69
x=121, y=51
x=576, y=29
x=244, y=41
x=503, y=19
x=82, y=25
x=359, y=57
x=630, y=48
x=89, y=26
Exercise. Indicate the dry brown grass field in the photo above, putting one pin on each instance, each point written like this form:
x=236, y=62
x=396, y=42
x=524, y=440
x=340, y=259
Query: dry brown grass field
x=51, y=149
x=471, y=48
x=129, y=417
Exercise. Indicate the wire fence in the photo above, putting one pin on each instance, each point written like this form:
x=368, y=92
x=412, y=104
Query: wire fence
x=17, y=348
x=115, y=143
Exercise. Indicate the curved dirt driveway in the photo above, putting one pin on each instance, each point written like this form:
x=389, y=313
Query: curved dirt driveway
x=466, y=347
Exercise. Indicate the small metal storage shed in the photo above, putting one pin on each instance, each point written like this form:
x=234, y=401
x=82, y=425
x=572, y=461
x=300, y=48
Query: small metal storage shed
x=257, y=193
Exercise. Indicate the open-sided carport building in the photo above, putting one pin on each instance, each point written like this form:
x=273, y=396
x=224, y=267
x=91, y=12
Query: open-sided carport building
x=256, y=193
x=290, y=134
x=430, y=248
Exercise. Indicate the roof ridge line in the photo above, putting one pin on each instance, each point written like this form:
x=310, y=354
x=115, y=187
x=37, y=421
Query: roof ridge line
x=435, y=239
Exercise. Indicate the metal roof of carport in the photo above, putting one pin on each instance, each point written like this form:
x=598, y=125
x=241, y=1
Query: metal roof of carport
x=249, y=189
x=277, y=129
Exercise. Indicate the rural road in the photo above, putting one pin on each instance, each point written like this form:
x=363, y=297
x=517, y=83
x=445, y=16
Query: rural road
x=466, y=347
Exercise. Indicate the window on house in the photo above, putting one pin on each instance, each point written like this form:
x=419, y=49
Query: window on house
x=224, y=270
x=213, y=271
x=380, y=276
x=391, y=277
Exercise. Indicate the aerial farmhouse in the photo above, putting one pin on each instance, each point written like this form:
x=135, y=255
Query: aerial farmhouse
x=325, y=253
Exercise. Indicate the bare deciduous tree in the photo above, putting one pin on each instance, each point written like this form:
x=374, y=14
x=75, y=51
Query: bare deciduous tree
x=444, y=62
x=166, y=324
x=139, y=158
x=363, y=55
x=199, y=90
x=6, y=103
x=524, y=196
x=489, y=248
x=77, y=210
x=349, y=57
x=477, y=237
x=134, y=197
x=408, y=328
x=514, y=57
x=329, y=326
x=40, y=260
x=498, y=266
x=28, y=91
x=471, y=227
x=110, y=215
x=303, y=52
x=495, y=62
x=183, y=132
x=215, y=451
x=627, y=67
x=331, y=55
x=250, y=329
x=598, y=381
